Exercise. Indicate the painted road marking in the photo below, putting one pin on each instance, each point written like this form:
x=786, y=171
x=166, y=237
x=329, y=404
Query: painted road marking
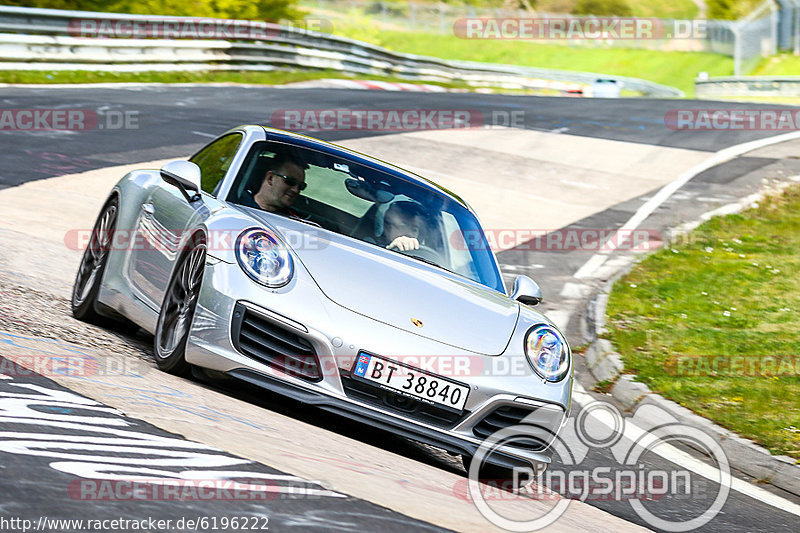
x=674, y=455
x=591, y=266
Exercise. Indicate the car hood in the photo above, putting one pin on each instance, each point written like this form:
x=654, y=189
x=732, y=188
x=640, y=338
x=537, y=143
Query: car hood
x=403, y=292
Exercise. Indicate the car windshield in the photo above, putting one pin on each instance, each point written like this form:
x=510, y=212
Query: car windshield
x=361, y=200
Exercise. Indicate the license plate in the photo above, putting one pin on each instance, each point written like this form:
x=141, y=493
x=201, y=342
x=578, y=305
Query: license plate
x=411, y=381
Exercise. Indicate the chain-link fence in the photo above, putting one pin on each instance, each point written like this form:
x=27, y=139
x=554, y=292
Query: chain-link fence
x=406, y=16
x=757, y=35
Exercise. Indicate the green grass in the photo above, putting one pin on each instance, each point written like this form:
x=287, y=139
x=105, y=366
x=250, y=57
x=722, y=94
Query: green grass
x=677, y=9
x=683, y=9
x=87, y=76
x=274, y=77
x=732, y=289
x=677, y=69
x=783, y=64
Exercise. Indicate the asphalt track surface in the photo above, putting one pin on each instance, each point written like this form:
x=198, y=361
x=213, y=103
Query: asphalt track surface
x=42, y=420
x=186, y=117
x=177, y=120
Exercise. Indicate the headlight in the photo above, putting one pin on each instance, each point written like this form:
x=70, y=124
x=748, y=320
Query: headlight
x=264, y=257
x=547, y=352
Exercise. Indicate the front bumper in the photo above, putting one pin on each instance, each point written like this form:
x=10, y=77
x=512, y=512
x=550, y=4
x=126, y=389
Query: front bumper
x=337, y=336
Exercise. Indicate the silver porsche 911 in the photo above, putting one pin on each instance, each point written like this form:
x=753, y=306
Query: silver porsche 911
x=335, y=279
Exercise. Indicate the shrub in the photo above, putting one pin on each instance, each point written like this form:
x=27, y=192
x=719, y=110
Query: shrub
x=619, y=8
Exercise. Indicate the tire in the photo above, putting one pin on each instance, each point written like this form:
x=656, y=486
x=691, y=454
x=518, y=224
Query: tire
x=177, y=311
x=93, y=265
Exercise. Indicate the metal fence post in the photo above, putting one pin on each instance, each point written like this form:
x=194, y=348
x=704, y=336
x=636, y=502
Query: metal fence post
x=774, y=28
x=796, y=27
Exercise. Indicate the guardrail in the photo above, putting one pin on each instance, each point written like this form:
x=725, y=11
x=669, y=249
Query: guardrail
x=49, y=39
x=733, y=86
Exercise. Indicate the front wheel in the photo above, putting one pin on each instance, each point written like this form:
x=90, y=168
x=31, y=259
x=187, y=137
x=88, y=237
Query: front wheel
x=93, y=264
x=177, y=311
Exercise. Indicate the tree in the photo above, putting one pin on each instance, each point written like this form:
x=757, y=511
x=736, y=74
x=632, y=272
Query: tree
x=720, y=9
x=619, y=8
x=273, y=10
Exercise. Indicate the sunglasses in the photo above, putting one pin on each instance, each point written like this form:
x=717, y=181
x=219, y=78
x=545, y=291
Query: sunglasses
x=292, y=182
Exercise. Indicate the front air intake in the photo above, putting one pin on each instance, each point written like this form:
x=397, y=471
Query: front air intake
x=268, y=341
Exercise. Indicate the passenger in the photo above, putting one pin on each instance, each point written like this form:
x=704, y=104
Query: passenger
x=401, y=226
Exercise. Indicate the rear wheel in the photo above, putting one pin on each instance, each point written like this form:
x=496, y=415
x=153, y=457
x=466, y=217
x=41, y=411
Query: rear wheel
x=93, y=264
x=177, y=311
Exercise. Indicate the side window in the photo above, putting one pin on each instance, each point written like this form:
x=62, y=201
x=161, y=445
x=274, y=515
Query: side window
x=215, y=159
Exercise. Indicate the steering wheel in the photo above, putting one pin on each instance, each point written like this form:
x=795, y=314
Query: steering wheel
x=425, y=252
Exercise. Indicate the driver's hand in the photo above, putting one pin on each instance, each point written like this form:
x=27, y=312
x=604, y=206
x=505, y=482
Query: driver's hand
x=404, y=243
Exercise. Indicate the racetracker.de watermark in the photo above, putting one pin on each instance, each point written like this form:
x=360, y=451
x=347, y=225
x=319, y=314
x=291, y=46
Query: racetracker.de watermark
x=190, y=28
x=562, y=240
x=579, y=28
x=161, y=489
x=67, y=120
x=377, y=119
x=540, y=240
x=72, y=365
x=734, y=365
x=453, y=366
x=219, y=240
x=733, y=119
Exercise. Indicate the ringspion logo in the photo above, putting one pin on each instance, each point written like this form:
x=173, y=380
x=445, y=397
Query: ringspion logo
x=628, y=474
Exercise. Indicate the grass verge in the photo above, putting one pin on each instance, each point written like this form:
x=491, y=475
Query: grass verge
x=677, y=69
x=712, y=323
x=273, y=77
x=783, y=64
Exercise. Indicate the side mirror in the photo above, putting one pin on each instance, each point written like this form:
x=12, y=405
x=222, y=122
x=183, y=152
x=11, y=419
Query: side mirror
x=526, y=291
x=185, y=175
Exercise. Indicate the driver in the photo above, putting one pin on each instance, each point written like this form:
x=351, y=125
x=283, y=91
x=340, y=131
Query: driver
x=402, y=224
x=281, y=185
